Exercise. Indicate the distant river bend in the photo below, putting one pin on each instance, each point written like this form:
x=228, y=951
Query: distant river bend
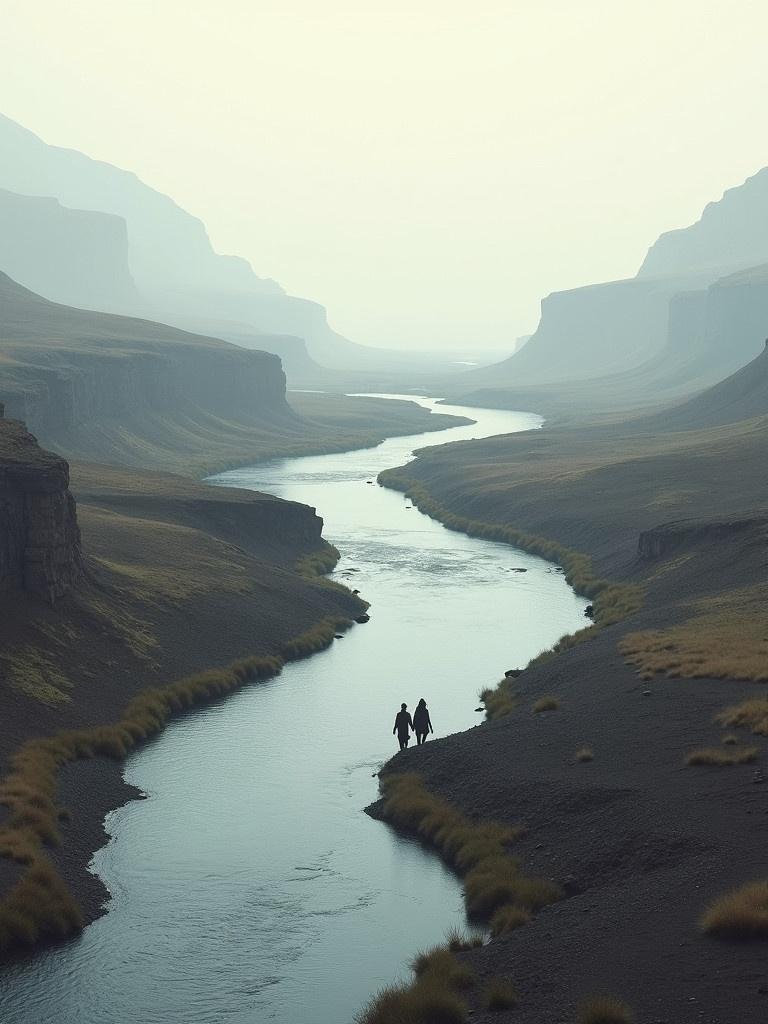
x=250, y=887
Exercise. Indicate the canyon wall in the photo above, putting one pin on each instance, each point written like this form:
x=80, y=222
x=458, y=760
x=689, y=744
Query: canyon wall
x=39, y=535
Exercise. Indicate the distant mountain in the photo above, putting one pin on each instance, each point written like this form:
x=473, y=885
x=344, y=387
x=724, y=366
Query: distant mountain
x=175, y=268
x=730, y=235
x=75, y=256
x=696, y=311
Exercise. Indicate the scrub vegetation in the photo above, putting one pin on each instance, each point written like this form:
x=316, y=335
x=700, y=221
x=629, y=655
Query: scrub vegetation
x=604, y=1010
x=739, y=914
x=725, y=639
x=546, y=704
x=751, y=713
x=478, y=851
x=38, y=904
x=585, y=754
x=501, y=995
x=719, y=758
x=435, y=994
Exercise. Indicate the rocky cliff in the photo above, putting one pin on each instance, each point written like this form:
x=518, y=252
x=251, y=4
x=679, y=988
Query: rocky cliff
x=39, y=535
x=73, y=256
x=76, y=376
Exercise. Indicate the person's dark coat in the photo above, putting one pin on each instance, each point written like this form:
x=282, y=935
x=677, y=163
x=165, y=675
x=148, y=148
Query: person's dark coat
x=403, y=724
x=421, y=720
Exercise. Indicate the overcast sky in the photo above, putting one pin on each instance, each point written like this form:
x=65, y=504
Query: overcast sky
x=427, y=170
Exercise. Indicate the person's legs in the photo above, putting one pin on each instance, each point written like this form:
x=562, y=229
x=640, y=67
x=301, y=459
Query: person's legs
x=403, y=742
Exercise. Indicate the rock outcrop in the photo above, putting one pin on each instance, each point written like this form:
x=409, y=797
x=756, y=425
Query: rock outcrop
x=39, y=535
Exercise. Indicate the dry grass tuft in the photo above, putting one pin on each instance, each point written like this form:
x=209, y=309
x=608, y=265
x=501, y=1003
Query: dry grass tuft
x=604, y=1010
x=751, y=713
x=479, y=851
x=434, y=996
x=546, y=704
x=739, y=914
x=730, y=739
x=584, y=754
x=718, y=758
x=501, y=995
x=458, y=941
x=509, y=918
x=725, y=640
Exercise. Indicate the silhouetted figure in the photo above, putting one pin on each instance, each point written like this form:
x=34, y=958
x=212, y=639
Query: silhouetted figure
x=421, y=722
x=403, y=726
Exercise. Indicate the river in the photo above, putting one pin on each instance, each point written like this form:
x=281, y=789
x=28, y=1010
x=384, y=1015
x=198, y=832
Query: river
x=249, y=887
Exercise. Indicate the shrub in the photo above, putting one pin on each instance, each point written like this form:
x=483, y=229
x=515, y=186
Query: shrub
x=546, y=704
x=477, y=850
x=500, y=995
x=739, y=914
x=752, y=713
x=508, y=918
x=604, y=1010
x=458, y=941
x=585, y=754
x=717, y=757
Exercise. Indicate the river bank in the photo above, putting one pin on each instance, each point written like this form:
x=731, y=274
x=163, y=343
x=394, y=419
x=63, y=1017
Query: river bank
x=297, y=899
x=641, y=841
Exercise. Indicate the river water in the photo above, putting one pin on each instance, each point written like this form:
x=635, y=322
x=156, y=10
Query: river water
x=249, y=887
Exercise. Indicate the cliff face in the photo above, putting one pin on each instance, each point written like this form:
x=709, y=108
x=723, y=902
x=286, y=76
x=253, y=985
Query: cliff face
x=39, y=535
x=69, y=372
x=75, y=256
x=731, y=234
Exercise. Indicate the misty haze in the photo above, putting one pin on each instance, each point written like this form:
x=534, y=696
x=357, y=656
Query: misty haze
x=383, y=513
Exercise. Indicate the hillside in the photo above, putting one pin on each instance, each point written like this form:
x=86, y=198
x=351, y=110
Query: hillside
x=668, y=534
x=101, y=387
x=742, y=396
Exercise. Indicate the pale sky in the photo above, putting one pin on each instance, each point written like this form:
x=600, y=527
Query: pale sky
x=427, y=170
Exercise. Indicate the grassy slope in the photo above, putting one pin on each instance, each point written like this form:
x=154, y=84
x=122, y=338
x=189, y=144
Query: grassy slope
x=640, y=842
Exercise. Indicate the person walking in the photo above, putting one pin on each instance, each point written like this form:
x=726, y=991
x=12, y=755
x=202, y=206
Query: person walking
x=421, y=722
x=403, y=726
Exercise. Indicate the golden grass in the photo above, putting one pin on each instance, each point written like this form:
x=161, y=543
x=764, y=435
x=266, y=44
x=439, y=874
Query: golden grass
x=508, y=919
x=739, y=914
x=546, y=704
x=730, y=739
x=604, y=1010
x=726, y=638
x=458, y=941
x=584, y=754
x=38, y=905
x=479, y=851
x=433, y=997
x=751, y=713
x=719, y=758
x=501, y=995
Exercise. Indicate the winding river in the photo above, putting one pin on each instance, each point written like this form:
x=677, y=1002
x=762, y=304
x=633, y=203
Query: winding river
x=249, y=886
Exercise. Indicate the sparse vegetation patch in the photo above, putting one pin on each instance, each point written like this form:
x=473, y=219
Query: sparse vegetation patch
x=546, y=704
x=604, y=1010
x=739, y=914
x=718, y=758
